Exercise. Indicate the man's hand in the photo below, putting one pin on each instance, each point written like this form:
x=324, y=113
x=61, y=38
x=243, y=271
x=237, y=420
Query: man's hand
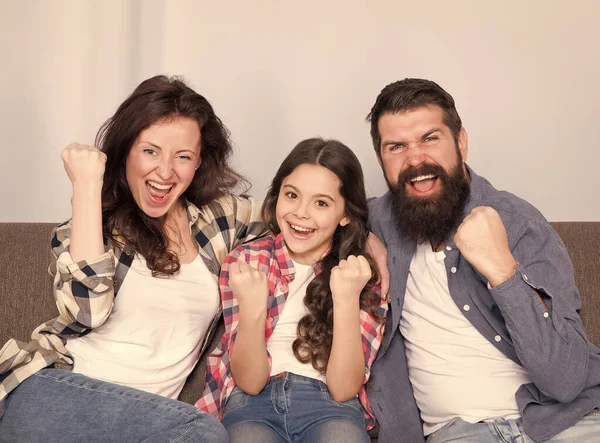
x=481, y=239
x=379, y=254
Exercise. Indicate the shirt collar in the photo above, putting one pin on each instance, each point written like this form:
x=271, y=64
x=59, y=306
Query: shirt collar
x=284, y=259
x=476, y=192
x=192, y=211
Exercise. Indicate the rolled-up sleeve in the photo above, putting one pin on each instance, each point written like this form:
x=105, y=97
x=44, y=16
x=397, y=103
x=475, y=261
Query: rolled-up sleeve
x=540, y=304
x=84, y=290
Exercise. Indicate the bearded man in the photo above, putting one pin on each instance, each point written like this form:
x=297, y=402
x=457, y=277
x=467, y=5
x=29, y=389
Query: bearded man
x=483, y=342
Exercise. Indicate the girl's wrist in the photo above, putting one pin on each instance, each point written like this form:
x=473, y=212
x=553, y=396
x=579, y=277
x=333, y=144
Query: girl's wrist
x=253, y=315
x=348, y=305
x=347, y=299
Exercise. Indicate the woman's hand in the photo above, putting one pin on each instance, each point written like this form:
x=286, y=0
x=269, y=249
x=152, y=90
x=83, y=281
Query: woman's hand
x=85, y=167
x=83, y=163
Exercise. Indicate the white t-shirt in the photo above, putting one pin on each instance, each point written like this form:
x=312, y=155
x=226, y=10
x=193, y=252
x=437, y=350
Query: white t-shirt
x=455, y=371
x=279, y=345
x=152, y=338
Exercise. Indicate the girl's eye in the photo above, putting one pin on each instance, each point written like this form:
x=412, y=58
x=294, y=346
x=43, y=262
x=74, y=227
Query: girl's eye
x=290, y=195
x=149, y=151
x=321, y=203
x=185, y=157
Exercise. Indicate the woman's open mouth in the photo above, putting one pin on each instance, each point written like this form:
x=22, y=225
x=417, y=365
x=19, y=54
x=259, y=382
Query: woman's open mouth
x=159, y=193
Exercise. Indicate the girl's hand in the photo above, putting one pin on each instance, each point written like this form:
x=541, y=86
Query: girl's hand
x=249, y=287
x=84, y=164
x=349, y=278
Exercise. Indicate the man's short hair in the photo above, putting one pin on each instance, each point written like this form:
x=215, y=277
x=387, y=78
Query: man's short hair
x=408, y=95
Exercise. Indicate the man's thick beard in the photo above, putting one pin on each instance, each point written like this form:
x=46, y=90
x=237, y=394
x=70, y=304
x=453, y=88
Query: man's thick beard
x=430, y=219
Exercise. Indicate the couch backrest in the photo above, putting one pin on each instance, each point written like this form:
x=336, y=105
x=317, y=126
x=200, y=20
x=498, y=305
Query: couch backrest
x=26, y=287
x=583, y=243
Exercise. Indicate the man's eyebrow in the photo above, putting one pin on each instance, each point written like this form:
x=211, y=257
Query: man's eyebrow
x=427, y=134
x=430, y=132
x=391, y=142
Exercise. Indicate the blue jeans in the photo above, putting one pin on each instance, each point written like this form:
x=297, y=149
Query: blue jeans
x=59, y=406
x=292, y=408
x=586, y=430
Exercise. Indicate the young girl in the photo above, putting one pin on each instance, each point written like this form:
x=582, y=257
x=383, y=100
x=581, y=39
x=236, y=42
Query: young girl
x=153, y=218
x=302, y=321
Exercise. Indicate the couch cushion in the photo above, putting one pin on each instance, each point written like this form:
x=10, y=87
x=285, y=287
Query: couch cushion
x=26, y=288
x=26, y=298
x=582, y=240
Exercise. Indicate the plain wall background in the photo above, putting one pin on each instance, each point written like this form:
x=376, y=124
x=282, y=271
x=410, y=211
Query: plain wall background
x=523, y=73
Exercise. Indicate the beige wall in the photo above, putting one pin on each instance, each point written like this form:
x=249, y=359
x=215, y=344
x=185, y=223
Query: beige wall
x=524, y=75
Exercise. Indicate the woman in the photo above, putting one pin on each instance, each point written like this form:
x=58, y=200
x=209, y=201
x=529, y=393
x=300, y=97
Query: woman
x=153, y=218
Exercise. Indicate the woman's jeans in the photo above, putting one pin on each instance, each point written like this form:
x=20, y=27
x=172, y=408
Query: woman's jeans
x=55, y=405
x=293, y=408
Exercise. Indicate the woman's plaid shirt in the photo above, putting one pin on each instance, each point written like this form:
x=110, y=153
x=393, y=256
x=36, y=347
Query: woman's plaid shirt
x=270, y=256
x=85, y=291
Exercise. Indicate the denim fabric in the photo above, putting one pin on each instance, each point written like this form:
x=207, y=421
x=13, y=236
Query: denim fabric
x=59, y=406
x=586, y=430
x=292, y=408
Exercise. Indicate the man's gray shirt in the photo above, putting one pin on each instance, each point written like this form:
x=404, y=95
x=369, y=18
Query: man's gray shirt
x=548, y=341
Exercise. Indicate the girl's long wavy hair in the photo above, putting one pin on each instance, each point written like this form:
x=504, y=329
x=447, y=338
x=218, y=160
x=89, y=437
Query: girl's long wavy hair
x=315, y=329
x=157, y=99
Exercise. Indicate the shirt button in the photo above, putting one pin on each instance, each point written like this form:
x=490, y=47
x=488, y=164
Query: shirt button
x=466, y=307
x=497, y=338
x=448, y=248
x=546, y=315
x=270, y=319
x=453, y=269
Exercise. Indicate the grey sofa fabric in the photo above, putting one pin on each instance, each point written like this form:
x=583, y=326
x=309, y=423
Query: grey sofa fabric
x=583, y=242
x=26, y=287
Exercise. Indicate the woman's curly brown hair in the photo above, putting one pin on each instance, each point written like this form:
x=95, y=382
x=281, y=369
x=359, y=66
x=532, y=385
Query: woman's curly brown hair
x=158, y=99
x=315, y=329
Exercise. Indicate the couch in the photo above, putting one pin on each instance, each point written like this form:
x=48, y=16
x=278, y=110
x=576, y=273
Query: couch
x=26, y=288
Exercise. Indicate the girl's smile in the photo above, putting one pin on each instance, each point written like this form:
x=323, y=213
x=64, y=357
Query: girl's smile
x=309, y=210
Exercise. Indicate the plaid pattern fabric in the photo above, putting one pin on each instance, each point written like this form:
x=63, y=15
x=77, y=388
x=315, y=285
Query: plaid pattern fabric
x=85, y=291
x=269, y=255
